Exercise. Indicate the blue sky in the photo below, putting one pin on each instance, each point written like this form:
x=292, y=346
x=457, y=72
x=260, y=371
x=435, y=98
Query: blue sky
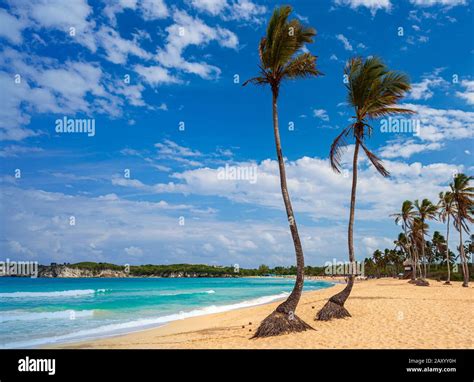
x=140, y=68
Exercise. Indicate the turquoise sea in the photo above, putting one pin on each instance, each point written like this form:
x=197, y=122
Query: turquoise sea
x=36, y=312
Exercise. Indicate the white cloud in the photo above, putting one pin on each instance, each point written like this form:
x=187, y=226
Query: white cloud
x=153, y=9
x=170, y=150
x=156, y=75
x=372, y=5
x=424, y=89
x=468, y=93
x=118, y=49
x=15, y=151
x=405, y=149
x=436, y=127
x=377, y=196
x=246, y=10
x=11, y=27
x=187, y=31
x=148, y=9
x=345, y=42
x=447, y=3
x=214, y=7
x=111, y=229
x=47, y=86
x=321, y=114
x=60, y=15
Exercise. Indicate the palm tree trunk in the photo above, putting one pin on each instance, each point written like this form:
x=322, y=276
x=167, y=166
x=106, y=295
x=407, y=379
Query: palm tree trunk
x=423, y=250
x=410, y=254
x=334, y=308
x=465, y=270
x=283, y=319
x=448, y=281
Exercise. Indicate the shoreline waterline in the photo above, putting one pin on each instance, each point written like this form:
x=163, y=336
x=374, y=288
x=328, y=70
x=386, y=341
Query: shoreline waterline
x=185, y=301
x=381, y=310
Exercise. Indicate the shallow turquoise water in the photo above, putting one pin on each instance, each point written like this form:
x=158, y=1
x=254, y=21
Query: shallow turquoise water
x=34, y=312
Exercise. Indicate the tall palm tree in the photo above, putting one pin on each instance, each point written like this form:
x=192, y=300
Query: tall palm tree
x=373, y=91
x=281, y=58
x=439, y=246
x=425, y=211
x=417, y=234
x=463, y=196
x=405, y=217
x=446, y=208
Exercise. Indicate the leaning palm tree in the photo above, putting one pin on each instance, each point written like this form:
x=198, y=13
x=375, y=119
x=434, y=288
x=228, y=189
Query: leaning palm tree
x=425, y=211
x=463, y=198
x=373, y=92
x=446, y=208
x=281, y=58
x=405, y=218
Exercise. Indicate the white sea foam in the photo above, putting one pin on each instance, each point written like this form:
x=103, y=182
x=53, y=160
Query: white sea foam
x=63, y=293
x=187, y=293
x=32, y=316
x=132, y=326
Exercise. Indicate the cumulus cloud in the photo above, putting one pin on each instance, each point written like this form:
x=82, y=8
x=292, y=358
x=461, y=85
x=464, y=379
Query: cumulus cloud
x=187, y=31
x=372, y=5
x=59, y=15
x=242, y=10
x=44, y=85
x=11, y=27
x=377, y=196
x=424, y=89
x=436, y=127
x=148, y=9
x=468, y=93
x=111, y=229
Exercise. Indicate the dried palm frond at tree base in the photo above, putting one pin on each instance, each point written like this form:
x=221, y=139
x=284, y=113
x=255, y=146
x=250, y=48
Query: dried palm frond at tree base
x=421, y=282
x=332, y=310
x=279, y=323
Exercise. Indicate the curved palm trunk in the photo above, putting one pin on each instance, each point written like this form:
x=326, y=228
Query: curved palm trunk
x=465, y=270
x=283, y=319
x=334, y=308
x=448, y=281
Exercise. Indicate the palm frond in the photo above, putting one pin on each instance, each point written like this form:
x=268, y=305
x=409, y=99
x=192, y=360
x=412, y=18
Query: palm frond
x=375, y=160
x=303, y=65
x=256, y=81
x=338, y=146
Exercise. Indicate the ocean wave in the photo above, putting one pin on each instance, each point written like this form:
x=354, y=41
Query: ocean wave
x=63, y=293
x=32, y=316
x=210, y=291
x=145, y=323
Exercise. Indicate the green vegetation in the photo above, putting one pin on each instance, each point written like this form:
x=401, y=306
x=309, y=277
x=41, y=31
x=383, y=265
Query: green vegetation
x=199, y=270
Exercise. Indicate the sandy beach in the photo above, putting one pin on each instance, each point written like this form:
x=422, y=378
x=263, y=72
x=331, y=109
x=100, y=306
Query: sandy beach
x=386, y=314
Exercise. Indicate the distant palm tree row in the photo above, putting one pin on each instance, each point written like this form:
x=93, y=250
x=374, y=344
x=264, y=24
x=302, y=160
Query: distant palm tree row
x=391, y=261
x=373, y=92
x=456, y=207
